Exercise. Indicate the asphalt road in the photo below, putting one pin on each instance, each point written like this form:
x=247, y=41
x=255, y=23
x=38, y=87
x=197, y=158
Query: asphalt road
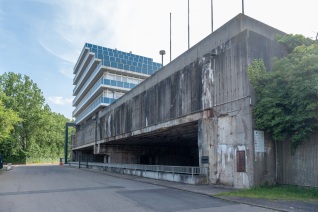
x=58, y=188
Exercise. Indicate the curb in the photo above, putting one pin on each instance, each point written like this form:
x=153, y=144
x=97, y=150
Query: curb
x=251, y=204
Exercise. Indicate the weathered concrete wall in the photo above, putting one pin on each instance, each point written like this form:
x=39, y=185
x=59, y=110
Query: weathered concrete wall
x=206, y=82
x=220, y=137
x=300, y=168
x=173, y=97
x=231, y=127
x=85, y=134
x=265, y=164
x=216, y=40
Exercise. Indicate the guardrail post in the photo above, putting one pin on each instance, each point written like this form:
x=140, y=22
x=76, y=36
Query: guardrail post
x=79, y=161
x=192, y=171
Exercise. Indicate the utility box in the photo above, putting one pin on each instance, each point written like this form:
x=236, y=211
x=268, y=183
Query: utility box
x=1, y=162
x=61, y=161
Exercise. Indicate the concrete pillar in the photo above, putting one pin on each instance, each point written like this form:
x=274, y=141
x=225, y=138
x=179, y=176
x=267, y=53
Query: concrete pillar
x=207, y=141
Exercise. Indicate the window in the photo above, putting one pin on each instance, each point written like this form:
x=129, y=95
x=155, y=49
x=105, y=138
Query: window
x=109, y=94
x=129, y=80
x=110, y=76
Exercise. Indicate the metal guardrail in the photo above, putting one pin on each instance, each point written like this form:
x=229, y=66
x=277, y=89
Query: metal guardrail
x=156, y=168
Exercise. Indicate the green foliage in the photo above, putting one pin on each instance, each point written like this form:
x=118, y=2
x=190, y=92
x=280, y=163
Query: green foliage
x=256, y=71
x=287, y=97
x=26, y=99
x=50, y=139
x=32, y=129
x=277, y=192
x=8, y=118
x=291, y=41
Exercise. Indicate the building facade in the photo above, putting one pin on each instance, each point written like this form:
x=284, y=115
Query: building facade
x=102, y=75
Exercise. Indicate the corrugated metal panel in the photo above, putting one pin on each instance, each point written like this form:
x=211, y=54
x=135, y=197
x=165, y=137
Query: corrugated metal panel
x=300, y=168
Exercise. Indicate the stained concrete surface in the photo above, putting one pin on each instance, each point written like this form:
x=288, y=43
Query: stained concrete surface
x=58, y=188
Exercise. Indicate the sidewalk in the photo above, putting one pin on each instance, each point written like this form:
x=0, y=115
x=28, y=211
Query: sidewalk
x=212, y=190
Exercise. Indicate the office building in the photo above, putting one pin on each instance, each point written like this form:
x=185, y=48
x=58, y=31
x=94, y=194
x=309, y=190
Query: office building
x=102, y=75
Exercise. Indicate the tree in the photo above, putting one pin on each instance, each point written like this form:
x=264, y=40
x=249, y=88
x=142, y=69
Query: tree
x=291, y=41
x=50, y=139
x=32, y=130
x=8, y=118
x=26, y=99
x=287, y=96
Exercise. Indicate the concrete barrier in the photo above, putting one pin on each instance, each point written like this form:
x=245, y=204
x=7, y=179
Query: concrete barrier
x=145, y=171
x=9, y=167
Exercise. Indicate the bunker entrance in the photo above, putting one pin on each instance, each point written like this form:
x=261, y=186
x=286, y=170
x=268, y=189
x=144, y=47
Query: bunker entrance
x=173, y=146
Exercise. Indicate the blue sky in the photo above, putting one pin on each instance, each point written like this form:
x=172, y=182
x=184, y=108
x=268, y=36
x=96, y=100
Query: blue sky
x=43, y=38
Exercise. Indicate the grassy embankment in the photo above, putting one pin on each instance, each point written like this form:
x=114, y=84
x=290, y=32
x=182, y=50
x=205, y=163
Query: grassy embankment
x=282, y=192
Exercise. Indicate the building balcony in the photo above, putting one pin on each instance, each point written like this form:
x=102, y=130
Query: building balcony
x=91, y=69
x=101, y=84
x=86, y=62
x=100, y=102
x=85, y=50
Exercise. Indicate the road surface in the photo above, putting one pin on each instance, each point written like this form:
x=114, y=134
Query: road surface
x=58, y=188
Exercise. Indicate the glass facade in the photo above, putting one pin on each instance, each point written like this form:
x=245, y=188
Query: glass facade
x=125, y=61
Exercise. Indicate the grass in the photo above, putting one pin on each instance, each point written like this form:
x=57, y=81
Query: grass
x=282, y=192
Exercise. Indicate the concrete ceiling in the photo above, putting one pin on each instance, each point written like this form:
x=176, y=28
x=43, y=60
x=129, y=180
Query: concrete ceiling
x=185, y=134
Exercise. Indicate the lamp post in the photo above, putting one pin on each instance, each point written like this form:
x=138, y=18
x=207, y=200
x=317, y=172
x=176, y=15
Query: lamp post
x=188, y=24
x=162, y=52
x=170, y=37
x=243, y=7
x=212, y=15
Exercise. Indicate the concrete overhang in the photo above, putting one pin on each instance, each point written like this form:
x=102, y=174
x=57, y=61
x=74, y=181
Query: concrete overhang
x=85, y=146
x=184, y=128
x=184, y=134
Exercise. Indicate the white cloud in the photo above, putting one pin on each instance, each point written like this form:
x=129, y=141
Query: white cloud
x=69, y=101
x=58, y=100
x=74, y=24
x=66, y=69
x=143, y=26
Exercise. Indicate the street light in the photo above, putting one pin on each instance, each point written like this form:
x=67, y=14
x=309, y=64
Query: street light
x=243, y=7
x=162, y=52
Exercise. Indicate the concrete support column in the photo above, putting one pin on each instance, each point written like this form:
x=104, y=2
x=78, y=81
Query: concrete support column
x=207, y=141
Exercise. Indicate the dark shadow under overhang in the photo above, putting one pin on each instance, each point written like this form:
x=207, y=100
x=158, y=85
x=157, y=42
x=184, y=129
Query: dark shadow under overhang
x=184, y=134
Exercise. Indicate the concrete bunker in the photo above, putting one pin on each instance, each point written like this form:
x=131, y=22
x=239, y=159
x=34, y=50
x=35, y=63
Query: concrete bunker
x=195, y=111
